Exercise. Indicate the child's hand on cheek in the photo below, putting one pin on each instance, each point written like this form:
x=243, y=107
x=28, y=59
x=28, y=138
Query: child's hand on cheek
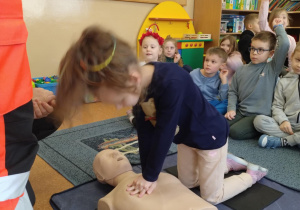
x=223, y=76
x=177, y=57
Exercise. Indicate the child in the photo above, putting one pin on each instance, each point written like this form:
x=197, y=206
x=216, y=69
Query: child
x=108, y=68
x=151, y=44
x=212, y=83
x=252, y=28
x=234, y=60
x=265, y=26
x=283, y=128
x=151, y=51
x=171, y=54
x=252, y=87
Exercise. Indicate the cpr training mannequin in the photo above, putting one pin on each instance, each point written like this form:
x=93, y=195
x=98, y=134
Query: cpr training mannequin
x=112, y=167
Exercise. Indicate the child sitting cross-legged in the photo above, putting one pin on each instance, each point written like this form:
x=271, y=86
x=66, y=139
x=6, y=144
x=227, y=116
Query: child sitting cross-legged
x=252, y=87
x=212, y=82
x=283, y=128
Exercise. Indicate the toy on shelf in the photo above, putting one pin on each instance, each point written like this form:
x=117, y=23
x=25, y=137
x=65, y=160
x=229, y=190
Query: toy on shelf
x=197, y=36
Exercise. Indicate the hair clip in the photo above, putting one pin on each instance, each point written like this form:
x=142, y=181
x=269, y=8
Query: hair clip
x=102, y=65
x=82, y=64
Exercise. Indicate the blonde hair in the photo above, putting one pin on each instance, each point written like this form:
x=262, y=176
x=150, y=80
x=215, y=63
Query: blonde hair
x=174, y=41
x=77, y=76
x=275, y=14
x=249, y=19
x=297, y=49
x=232, y=42
x=219, y=52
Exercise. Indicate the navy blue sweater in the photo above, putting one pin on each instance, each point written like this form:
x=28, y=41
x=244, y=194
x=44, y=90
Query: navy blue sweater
x=178, y=101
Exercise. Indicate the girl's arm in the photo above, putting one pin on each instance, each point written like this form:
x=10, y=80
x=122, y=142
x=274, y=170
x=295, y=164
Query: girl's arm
x=263, y=16
x=291, y=50
x=154, y=143
x=234, y=61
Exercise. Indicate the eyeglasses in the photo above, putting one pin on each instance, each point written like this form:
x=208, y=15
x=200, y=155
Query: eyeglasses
x=259, y=50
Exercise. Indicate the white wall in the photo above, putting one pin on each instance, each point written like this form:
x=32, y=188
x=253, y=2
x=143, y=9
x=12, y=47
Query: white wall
x=53, y=25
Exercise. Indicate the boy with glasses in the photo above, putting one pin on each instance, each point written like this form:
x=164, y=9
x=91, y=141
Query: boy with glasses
x=252, y=88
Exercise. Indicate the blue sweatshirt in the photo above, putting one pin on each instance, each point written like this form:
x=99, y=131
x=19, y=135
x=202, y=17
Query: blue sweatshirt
x=211, y=87
x=178, y=101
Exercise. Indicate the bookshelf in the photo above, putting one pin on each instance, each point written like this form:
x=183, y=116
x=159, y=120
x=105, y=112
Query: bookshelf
x=207, y=19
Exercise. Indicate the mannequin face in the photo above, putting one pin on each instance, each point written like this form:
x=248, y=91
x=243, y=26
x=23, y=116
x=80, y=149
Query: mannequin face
x=110, y=163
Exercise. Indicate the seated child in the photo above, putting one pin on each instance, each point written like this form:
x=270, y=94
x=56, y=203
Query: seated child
x=151, y=44
x=212, y=82
x=252, y=28
x=283, y=128
x=234, y=60
x=252, y=87
x=171, y=54
x=268, y=26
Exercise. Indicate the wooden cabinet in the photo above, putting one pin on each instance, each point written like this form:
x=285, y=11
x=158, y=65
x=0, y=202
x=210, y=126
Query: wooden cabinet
x=207, y=19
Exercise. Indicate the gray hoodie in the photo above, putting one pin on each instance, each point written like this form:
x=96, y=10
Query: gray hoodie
x=286, y=103
x=253, y=85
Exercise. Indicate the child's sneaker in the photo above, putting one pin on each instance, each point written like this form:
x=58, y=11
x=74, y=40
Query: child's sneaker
x=256, y=172
x=235, y=163
x=270, y=141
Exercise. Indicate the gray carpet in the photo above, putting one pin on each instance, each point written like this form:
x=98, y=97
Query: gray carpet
x=283, y=163
x=71, y=152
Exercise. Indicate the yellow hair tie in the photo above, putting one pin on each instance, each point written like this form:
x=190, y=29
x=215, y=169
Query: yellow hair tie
x=101, y=66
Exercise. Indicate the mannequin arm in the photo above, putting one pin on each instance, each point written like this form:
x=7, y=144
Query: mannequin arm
x=105, y=204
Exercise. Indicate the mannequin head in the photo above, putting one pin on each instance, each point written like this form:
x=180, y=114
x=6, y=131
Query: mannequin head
x=110, y=163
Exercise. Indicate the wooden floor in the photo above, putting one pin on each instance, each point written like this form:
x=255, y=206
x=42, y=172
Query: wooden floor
x=43, y=178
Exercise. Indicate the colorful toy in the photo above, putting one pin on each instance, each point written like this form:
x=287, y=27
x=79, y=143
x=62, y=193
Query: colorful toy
x=48, y=83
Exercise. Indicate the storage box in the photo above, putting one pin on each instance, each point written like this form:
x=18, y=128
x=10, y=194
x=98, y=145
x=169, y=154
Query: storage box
x=48, y=86
x=223, y=27
x=196, y=36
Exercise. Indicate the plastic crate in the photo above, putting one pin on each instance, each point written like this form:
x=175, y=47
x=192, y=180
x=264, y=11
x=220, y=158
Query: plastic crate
x=47, y=86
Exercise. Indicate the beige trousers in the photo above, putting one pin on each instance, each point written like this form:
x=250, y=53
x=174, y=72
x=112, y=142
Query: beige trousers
x=206, y=168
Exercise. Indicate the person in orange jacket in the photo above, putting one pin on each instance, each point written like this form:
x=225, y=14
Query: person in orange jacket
x=18, y=144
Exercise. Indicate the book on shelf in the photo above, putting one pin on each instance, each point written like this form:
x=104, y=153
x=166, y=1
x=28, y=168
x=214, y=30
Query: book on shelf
x=241, y=4
x=223, y=4
x=247, y=5
x=288, y=5
x=238, y=4
x=234, y=23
